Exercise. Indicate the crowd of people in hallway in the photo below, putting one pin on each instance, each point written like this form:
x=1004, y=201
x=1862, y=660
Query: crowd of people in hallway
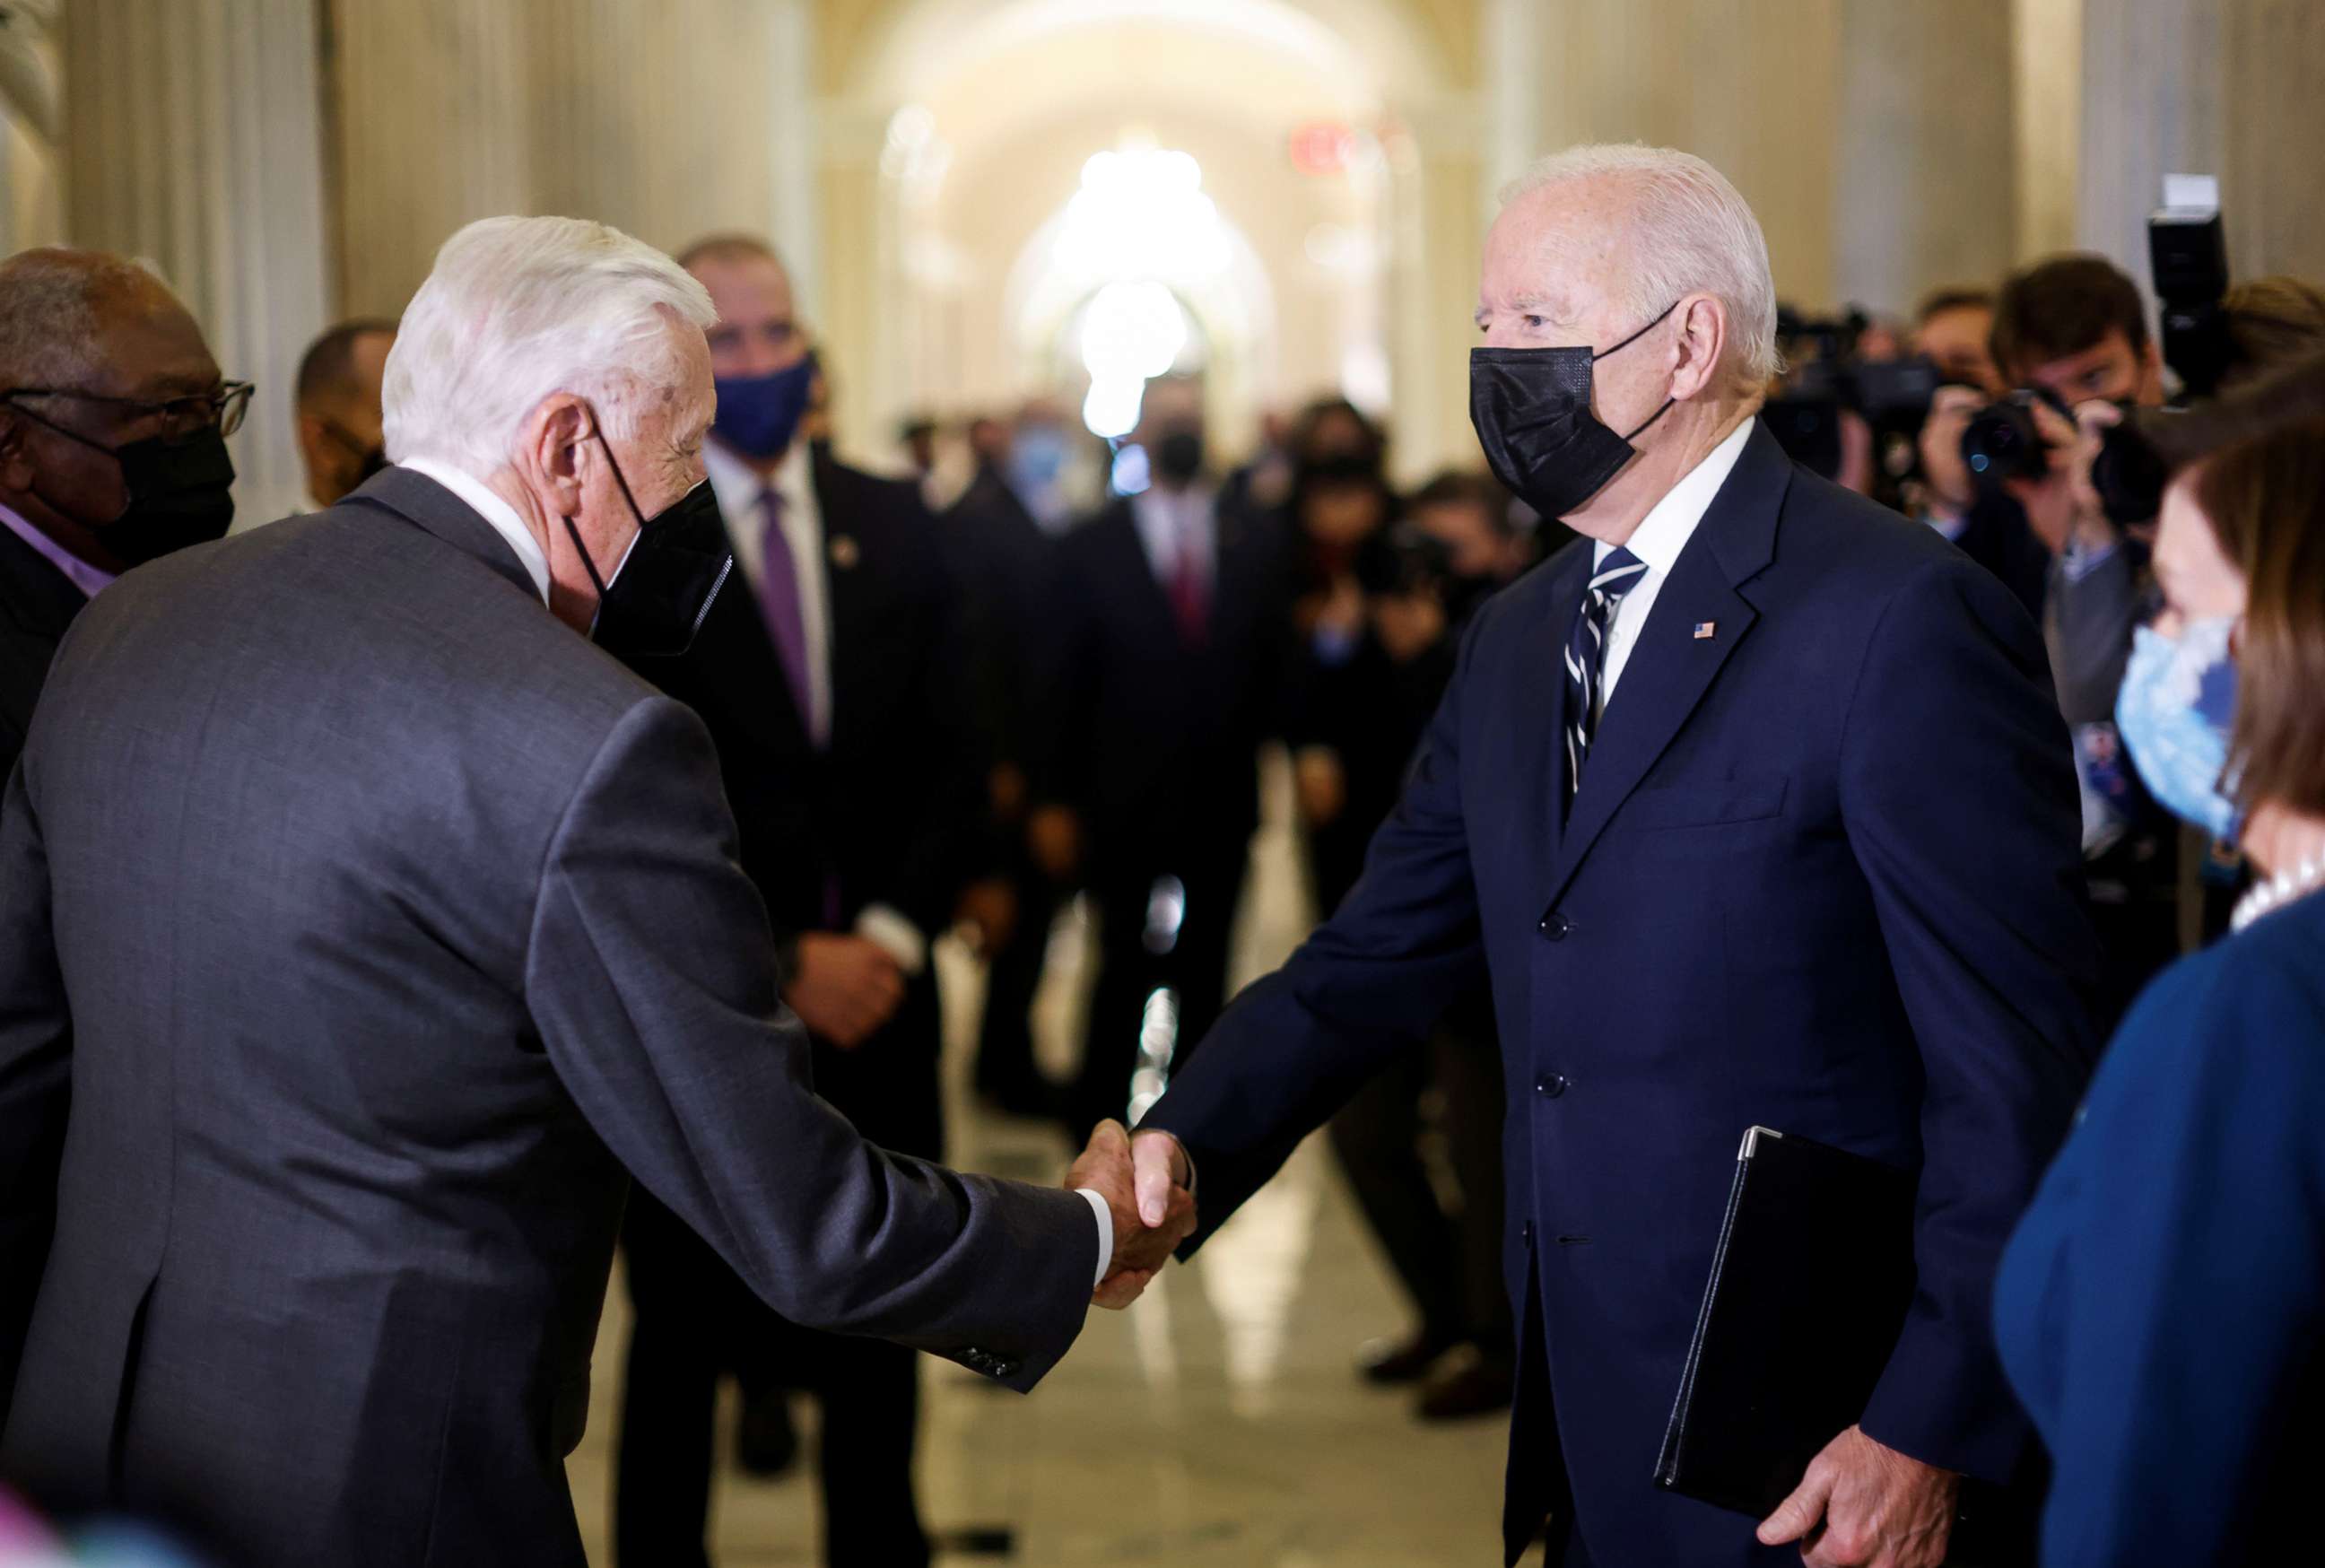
x=361, y=938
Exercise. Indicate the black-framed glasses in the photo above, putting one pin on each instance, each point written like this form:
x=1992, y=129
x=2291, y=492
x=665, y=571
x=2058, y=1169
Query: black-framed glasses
x=224, y=408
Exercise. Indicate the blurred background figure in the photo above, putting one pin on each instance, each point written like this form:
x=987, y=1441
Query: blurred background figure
x=836, y=692
x=1951, y=330
x=113, y=427
x=999, y=557
x=1018, y=228
x=340, y=437
x=1165, y=675
x=1391, y=591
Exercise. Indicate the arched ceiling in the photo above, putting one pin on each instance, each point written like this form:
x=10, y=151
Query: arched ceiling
x=1371, y=52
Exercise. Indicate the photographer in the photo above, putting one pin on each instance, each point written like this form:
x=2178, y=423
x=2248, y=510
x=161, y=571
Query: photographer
x=1368, y=687
x=2073, y=332
x=1952, y=330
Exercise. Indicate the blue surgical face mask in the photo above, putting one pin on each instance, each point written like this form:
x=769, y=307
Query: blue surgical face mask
x=758, y=415
x=2175, y=713
x=1037, y=456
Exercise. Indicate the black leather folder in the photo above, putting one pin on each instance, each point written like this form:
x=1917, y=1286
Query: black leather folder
x=1808, y=1290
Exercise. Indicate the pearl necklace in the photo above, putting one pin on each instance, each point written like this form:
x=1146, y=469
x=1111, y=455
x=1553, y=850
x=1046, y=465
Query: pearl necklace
x=2277, y=892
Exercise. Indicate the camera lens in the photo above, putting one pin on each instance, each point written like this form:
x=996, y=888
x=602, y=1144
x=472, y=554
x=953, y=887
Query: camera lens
x=2128, y=475
x=2000, y=442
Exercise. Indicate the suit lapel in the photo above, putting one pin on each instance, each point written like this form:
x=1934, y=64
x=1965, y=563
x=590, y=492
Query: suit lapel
x=1671, y=668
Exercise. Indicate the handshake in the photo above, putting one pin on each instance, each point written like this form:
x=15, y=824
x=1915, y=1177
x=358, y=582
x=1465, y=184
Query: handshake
x=1148, y=1187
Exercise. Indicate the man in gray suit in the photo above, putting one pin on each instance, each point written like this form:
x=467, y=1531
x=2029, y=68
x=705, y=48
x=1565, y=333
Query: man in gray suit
x=372, y=922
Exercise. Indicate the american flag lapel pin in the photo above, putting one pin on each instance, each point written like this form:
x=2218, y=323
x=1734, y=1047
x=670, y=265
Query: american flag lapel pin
x=1706, y=630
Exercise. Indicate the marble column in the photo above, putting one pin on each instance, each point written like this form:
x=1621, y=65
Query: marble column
x=430, y=101
x=2046, y=123
x=2154, y=80
x=1752, y=88
x=1925, y=193
x=192, y=139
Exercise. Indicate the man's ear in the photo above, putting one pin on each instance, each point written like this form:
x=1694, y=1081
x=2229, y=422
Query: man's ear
x=551, y=452
x=1702, y=343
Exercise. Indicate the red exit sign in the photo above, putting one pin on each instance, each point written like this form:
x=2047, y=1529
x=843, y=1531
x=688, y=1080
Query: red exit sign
x=1324, y=147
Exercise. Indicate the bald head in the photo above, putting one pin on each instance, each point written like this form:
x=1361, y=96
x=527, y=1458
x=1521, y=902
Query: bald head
x=56, y=306
x=758, y=333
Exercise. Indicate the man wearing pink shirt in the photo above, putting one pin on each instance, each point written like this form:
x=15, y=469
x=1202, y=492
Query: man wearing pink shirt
x=113, y=427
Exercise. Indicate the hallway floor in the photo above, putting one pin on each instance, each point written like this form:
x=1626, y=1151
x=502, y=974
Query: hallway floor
x=1217, y=1422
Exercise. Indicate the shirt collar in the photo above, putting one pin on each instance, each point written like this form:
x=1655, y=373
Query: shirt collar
x=737, y=485
x=487, y=504
x=91, y=580
x=1665, y=530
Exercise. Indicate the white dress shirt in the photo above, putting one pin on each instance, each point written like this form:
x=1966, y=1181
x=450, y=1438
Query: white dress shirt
x=487, y=503
x=1660, y=537
x=1173, y=525
x=739, y=488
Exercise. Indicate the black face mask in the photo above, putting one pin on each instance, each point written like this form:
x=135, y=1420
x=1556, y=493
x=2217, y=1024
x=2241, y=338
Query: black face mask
x=1179, y=456
x=1532, y=409
x=662, y=593
x=181, y=492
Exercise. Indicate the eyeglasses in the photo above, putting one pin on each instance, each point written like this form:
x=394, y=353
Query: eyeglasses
x=224, y=408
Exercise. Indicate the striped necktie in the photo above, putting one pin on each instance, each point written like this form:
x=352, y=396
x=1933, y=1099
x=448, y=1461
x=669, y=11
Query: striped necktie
x=1586, y=656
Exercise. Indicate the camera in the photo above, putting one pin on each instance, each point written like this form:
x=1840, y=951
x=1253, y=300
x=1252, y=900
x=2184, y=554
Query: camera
x=1828, y=380
x=2187, y=252
x=1403, y=559
x=2002, y=441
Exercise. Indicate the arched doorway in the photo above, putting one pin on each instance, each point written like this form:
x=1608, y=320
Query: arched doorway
x=1302, y=120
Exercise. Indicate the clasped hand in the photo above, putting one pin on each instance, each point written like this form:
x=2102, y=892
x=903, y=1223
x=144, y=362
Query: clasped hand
x=1143, y=1180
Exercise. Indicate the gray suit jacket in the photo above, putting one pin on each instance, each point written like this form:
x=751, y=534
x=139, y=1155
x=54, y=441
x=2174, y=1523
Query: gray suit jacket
x=372, y=922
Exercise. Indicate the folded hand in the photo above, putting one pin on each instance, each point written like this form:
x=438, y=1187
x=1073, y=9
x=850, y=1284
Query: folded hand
x=1143, y=1182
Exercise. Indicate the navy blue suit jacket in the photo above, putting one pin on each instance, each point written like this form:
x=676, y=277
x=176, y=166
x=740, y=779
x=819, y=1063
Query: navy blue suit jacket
x=1822, y=875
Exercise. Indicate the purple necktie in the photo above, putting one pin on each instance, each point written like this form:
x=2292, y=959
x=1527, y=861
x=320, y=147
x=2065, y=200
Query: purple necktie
x=779, y=601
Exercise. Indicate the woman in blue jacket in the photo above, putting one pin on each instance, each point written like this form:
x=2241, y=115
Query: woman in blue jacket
x=2160, y=1310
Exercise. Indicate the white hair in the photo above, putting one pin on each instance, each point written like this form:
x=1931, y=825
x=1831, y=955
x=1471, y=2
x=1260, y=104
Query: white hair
x=1690, y=232
x=518, y=309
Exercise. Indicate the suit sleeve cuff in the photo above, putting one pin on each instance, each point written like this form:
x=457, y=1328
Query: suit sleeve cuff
x=1105, y=1232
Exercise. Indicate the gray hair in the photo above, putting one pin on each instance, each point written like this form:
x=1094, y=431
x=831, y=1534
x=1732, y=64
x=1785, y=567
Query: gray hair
x=1690, y=232
x=518, y=309
x=48, y=300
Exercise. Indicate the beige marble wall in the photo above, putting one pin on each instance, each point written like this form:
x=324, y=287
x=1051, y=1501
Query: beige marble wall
x=431, y=99
x=667, y=120
x=1924, y=190
x=193, y=138
x=2046, y=112
x=2273, y=58
x=2224, y=86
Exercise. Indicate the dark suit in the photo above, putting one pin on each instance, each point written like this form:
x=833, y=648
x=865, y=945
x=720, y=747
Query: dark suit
x=376, y=922
x=1820, y=876
x=1000, y=560
x=880, y=815
x=1154, y=742
x=37, y=604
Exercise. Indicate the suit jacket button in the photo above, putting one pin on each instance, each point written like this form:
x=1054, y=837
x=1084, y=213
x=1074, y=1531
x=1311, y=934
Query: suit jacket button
x=1555, y=926
x=1550, y=1085
x=1005, y=1368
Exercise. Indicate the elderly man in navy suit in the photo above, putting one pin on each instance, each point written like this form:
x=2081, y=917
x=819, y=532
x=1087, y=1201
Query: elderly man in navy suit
x=1755, y=808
